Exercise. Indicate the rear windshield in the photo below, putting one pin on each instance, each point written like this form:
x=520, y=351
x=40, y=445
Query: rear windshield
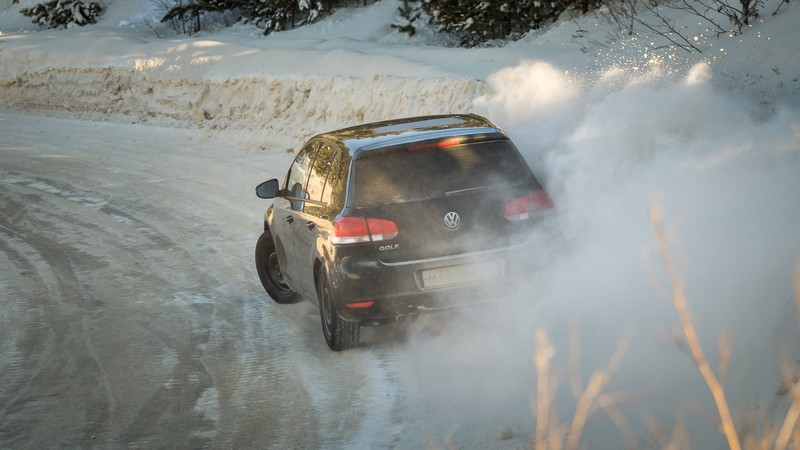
x=406, y=175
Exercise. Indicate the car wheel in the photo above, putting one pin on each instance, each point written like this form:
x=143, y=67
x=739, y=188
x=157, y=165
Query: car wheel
x=269, y=271
x=340, y=334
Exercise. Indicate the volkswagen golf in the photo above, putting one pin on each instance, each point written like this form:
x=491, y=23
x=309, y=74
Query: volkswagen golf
x=391, y=219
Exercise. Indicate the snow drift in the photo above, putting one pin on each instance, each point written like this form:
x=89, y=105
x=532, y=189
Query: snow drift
x=288, y=108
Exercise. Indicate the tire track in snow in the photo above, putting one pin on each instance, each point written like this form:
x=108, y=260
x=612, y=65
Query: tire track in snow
x=168, y=337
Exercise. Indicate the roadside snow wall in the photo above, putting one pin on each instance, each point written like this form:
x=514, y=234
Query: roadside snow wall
x=293, y=106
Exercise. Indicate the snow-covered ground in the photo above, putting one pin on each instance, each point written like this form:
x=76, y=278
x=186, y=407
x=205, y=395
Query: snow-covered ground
x=131, y=314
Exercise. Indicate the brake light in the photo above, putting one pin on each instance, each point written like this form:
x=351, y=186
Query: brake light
x=440, y=144
x=523, y=208
x=359, y=305
x=382, y=229
x=518, y=209
x=354, y=230
x=350, y=230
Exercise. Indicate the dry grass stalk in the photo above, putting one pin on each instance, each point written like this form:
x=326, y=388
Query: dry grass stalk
x=546, y=387
x=589, y=397
x=550, y=434
x=725, y=346
x=606, y=402
x=789, y=431
x=680, y=303
x=678, y=441
x=797, y=292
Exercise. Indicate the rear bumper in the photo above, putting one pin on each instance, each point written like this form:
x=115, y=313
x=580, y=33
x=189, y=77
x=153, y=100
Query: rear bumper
x=394, y=290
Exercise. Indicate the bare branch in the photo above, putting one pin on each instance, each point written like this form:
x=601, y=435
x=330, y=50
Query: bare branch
x=789, y=426
x=597, y=382
x=681, y=305
x=543, y=355
x=608, y=404
x=679, y=40
x=725, y=345
x=655, y=430
x=574, y=360
x=797, y=293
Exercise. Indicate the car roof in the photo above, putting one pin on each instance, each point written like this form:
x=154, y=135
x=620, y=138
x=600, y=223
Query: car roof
x=370, y=136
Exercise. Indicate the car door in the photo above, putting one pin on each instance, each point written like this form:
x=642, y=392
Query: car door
x=316, y=216
x=288, y=210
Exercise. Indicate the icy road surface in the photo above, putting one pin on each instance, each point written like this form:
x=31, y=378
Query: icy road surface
x=131, y=315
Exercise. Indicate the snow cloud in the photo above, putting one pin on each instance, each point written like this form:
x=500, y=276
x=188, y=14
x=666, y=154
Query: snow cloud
x=539, y=91
x=727, y=175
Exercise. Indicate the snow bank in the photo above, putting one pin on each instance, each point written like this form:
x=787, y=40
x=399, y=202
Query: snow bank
x=291, y=107
x=218, y=85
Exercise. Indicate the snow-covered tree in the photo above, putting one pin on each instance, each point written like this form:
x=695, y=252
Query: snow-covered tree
x=407, y=15
x=272, y=15
x=63, y=13
x=476, y=22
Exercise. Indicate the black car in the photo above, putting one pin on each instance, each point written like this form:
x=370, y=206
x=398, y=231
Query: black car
x=390, y=219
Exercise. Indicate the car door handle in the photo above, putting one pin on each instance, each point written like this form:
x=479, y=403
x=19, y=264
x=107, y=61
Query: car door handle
x=290, y=219
x=310, y=225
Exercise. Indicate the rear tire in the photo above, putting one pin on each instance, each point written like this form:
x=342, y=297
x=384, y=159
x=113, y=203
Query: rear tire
x=269, y=271
x=340, y=334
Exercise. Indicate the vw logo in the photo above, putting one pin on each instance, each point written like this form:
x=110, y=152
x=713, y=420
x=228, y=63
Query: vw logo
x=452, y=220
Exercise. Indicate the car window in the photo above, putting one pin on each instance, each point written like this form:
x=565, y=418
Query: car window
x=324, y=184
x=319, y=172
x=298, y=174
x=434, y=171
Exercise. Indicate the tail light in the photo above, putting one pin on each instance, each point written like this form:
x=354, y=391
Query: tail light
x=382, y=229
x=359, y=305
x=353, y=230
x=441, y=144
x=527, y=206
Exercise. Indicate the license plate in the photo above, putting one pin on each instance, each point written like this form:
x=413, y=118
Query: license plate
x=461, y=274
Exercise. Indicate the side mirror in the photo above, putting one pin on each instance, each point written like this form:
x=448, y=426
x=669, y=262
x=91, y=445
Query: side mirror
x=268, y=189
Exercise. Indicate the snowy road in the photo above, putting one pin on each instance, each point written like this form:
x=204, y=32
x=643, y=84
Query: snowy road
x=130, y=313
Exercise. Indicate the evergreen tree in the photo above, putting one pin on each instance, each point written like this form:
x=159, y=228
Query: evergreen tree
x=272, y=15
x=408, y=15
x=476, y=22
x=62, y=13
